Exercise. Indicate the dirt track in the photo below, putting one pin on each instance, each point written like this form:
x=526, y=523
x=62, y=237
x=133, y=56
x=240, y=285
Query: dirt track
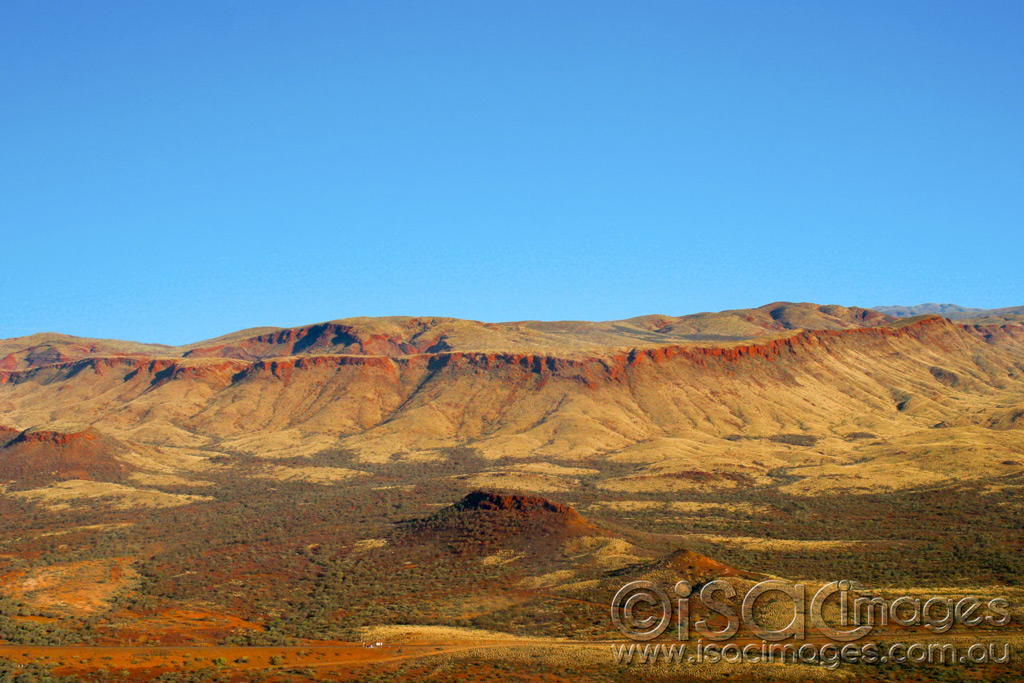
x=158, y=659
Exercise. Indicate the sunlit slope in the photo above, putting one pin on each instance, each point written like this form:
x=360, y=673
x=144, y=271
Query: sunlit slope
x=692, y=414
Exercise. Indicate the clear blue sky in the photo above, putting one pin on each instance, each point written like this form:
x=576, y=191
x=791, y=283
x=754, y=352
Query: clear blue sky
x=173, y=171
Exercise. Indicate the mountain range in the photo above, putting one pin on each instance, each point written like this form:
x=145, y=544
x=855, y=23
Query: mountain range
x=691, y=402
x=955, y=312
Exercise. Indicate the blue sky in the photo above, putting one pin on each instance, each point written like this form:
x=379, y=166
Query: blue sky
x=174, y=171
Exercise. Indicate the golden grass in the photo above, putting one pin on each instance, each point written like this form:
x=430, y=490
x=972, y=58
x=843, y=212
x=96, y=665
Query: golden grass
x=62, y=495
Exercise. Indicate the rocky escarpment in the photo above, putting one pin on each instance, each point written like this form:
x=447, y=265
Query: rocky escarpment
x=584, y=368
x=402, y=336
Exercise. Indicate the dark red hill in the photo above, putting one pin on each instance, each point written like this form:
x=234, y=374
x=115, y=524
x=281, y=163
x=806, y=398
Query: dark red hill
x=40, y=457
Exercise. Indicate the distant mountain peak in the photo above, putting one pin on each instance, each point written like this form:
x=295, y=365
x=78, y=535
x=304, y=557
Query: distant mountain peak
x=950, y=311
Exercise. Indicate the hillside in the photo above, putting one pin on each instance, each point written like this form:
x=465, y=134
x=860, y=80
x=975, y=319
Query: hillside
x=39, y=456
x=817, y=387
